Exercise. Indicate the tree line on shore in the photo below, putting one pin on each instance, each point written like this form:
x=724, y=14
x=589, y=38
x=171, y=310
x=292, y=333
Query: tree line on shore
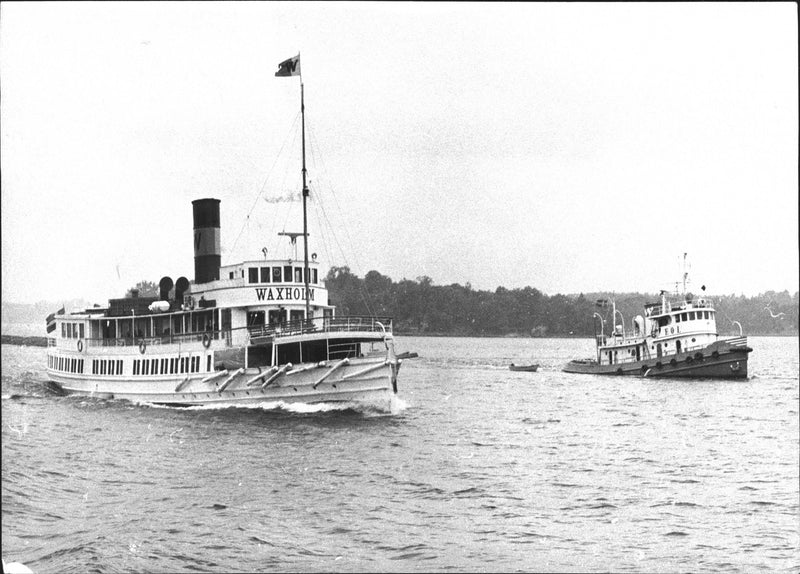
x=422, y=308
x=419, y=307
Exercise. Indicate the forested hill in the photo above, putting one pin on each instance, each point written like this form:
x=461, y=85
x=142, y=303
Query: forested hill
x=420, y=307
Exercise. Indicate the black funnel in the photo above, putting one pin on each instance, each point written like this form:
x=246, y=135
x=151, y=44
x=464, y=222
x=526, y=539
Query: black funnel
x=181, y=285
x=163, y=288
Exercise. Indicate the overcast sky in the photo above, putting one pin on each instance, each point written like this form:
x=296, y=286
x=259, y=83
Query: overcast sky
x=569, y=147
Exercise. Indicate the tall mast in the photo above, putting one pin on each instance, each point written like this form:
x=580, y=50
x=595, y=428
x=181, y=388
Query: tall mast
x=685, y=275
x=306, y=270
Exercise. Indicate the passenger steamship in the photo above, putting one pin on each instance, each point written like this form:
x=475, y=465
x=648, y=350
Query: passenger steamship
x=256, y=331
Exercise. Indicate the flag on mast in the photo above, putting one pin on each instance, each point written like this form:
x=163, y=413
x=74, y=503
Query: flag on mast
x=290, y=67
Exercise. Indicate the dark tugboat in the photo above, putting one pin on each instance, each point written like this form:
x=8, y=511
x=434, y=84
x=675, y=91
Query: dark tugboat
x=673, y=339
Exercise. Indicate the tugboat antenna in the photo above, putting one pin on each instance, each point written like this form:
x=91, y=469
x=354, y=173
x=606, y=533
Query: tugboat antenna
x=685, y=275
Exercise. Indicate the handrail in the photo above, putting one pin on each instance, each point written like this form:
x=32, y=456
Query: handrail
x=654, y=309
x=350, y=323
x=667, y=357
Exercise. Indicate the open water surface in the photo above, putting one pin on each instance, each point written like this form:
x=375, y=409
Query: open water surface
x=474, y=468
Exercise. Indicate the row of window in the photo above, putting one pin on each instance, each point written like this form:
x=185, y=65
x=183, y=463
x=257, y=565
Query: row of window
x=285, y=274
x=690, y=316
x=140, y=366
x=72, y=330
x=65, y=364
x=168, y=366
x=107, y=366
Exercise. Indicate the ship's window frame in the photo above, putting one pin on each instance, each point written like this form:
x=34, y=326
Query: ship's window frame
x=298, y=274
x=677, y=318
x=314, y=276
x=153, y=366
x=231, y=274
x=82, y=330
x=265, y=271
x=287, y=273
x=683, y=316
x=691, y=315
x=252, y=274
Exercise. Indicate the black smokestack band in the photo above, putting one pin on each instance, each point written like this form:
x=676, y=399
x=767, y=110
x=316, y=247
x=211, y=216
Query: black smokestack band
x=207, y=258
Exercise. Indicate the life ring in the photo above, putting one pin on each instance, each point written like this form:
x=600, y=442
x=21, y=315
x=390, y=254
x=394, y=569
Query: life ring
x=142, y=346
x=619, y=371
x=689, y=360
x=673, y=362
x=658, y=364
x=80, y=345
x=698, y=356
x=644, y=369
x=206, y=340
x=715, y=354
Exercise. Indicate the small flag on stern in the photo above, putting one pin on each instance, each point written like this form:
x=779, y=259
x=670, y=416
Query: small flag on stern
x=290, y=67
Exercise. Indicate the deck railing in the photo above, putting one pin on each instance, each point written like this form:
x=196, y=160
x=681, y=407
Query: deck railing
x=354, y=323
x=653, y=356
x=262, y=333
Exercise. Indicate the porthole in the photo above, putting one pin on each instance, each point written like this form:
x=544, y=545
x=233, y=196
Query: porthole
x=693, y=339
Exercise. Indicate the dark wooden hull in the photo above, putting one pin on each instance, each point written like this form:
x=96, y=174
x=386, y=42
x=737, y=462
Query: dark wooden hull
x=524, y=368
x=720, y=360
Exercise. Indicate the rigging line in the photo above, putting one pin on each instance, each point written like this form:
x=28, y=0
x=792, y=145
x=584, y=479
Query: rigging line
x=365, y=296
x=322, y=228
x=313, y=139
x=292, y=130
x=289, y=208
x=321, y=203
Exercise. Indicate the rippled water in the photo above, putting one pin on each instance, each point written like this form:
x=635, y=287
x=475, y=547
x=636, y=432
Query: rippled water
x=477, y=469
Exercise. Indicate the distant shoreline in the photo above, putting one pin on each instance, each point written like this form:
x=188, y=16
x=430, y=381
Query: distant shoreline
x=26, y=341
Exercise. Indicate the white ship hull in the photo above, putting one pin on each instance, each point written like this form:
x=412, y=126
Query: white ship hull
x=368, y=380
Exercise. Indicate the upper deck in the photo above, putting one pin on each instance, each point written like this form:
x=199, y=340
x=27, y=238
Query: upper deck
x=653, y=310
x=278, y=283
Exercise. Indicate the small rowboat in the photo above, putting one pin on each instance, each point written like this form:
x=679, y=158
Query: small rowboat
x=527, y=368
